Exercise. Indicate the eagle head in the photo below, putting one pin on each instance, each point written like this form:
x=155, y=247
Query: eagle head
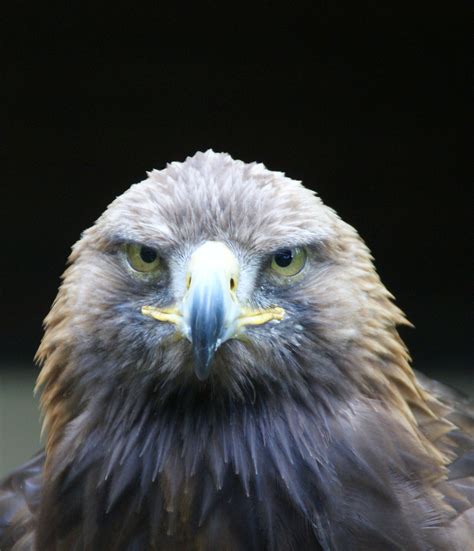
x=216, y=274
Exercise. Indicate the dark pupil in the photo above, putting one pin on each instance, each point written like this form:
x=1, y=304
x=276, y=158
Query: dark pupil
x=148, y=255
x=284, y=257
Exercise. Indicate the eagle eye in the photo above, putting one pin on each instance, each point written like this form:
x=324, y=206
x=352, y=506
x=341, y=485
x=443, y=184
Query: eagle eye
x=289, y=262
x=142, y=258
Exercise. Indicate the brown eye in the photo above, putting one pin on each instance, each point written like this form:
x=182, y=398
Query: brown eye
x=289, y=262
x=142, y=258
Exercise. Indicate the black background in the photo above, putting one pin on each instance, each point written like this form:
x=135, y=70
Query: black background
x=366, y=105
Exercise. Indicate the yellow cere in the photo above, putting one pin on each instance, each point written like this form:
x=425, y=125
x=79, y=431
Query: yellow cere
x=260, y=316
x=170, y=315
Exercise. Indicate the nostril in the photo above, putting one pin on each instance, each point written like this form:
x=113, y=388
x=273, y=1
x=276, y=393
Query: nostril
x=232, y=284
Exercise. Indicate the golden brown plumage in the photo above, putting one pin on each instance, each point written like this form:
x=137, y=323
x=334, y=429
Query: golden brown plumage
x=300, y=428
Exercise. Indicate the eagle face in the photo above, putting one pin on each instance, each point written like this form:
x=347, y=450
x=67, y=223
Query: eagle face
x=213, y=272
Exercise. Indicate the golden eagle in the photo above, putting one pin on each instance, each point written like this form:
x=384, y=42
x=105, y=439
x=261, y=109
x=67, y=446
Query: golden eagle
x=222, y=371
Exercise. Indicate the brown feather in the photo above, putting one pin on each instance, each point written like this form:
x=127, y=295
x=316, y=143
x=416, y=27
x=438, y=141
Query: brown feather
x=313, y=433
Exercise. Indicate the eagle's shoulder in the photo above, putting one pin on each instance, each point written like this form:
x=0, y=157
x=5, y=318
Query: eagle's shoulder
x=458, y=445
x=19, y=499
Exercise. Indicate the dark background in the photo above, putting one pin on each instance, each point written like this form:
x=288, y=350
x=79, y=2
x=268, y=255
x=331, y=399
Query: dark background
x=366, y=105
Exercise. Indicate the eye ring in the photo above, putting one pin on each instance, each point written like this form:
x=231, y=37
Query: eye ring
x=289, y=262
x=142, y=258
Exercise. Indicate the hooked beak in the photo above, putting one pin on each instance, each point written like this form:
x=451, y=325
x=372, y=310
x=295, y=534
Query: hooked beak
x=210, y=312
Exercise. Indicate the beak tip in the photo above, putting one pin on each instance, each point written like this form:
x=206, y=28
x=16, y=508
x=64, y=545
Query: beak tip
x=202, y=363
x=202, y=374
